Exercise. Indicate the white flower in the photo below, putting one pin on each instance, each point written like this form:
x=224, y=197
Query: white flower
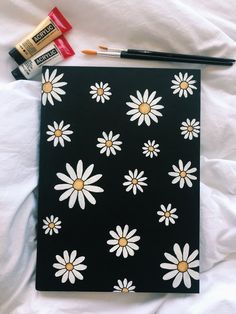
x=183, y=84
x=190, y=129
x=58, y=133
x=124, y=286
x=183, y=174
x=135, y=181
x=108, y=143
x=123, y=242
x=101, y=92
x=144, y=108
x=181, y=266
x=69, y=266
x=51, y=87
x=78, y=185
x=167, y=214
x=151, y=149
x=51, y=224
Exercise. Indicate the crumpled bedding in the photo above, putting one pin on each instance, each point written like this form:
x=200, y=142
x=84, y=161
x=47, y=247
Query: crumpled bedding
x=198, y=27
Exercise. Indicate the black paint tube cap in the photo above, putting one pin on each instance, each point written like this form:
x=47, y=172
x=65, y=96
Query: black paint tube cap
x=14, y=53
x=17, y=74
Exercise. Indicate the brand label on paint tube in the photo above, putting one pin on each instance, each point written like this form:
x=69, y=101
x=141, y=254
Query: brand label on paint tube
x=44, y=32
x=49, y=55
x=48, y=30
x=46, y=56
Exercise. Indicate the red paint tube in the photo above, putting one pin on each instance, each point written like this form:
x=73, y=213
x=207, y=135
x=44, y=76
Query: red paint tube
x=53, y=26
x=52, y=54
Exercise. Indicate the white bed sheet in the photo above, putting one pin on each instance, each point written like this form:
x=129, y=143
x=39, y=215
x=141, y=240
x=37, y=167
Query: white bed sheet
x=200, y=27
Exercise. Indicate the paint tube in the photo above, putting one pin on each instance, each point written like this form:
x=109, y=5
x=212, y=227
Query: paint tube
x=53, y=53
x=49, y=29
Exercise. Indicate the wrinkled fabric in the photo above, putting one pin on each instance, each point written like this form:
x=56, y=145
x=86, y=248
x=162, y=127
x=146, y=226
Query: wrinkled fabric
x=195, y=27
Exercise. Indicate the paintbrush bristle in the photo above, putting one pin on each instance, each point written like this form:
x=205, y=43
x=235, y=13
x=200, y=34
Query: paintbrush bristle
x=89, y=52
x=103, y=47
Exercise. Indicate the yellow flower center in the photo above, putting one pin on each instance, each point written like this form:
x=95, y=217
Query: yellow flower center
x=190, y=128
x=108, y=143
x=78, y=184
x=183, y=85
x=69, y=266
x=58, y=133
x=125, y=290
x=134, y=181
x=151, y=148
x=182, y=266
x=100, y=91
x=144, y=108
x=47, y=87
x=182, y=174
x=51, y=225
x=167, y=214
x=123, y=242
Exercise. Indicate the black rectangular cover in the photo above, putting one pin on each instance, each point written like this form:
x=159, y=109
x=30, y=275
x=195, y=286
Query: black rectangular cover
x=119, y=180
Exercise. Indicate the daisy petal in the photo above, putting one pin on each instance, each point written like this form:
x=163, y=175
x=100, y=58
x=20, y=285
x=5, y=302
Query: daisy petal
x=66, y=194
x=178, y=252
x=60, y=272
x=170, y=274
x=66, y=256
x=89, y=197
x=58, y=266
x=193, y=264
x=79, y=169
x=65, y=178
x=168, y=266
x=65, y=277
x=186, y=252
x=194, y=274
x=77, y=274
x=72, y=199
x=71, y=277
x=187, y=280
x=93, y=179
x=81, y=200
x=60, y=260
x=87, y=172
x=177, y=280
x=192, y=256
x=71, y=172
x=73, y=256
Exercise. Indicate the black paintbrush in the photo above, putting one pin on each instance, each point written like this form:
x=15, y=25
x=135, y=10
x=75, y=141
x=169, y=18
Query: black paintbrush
x=159, y=56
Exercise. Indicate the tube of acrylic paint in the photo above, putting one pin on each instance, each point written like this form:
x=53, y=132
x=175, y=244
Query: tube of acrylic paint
x=49, y=29
x=53, y=53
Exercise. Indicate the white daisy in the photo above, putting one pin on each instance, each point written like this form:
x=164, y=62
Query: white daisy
x=183, y=174
x=101, y=92
x=51, y=224
x=183, y=84
x=51, y=87
x=58, y=133
x=151, y=149
x=124, y=286
x=78, y=185
x=123, y=242
x=167, y=214
x=190, y=129
x=108, y=143
x=181, y=266
x=135, y=181
x=144, y=108
x=69, y=266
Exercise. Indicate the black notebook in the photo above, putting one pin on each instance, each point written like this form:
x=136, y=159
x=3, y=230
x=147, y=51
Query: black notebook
x=119, y=172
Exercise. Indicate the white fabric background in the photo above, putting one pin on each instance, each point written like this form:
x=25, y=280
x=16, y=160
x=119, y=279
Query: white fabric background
x=197, y=27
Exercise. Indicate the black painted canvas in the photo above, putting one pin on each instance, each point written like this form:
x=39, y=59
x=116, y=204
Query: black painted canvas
x=119, y=171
